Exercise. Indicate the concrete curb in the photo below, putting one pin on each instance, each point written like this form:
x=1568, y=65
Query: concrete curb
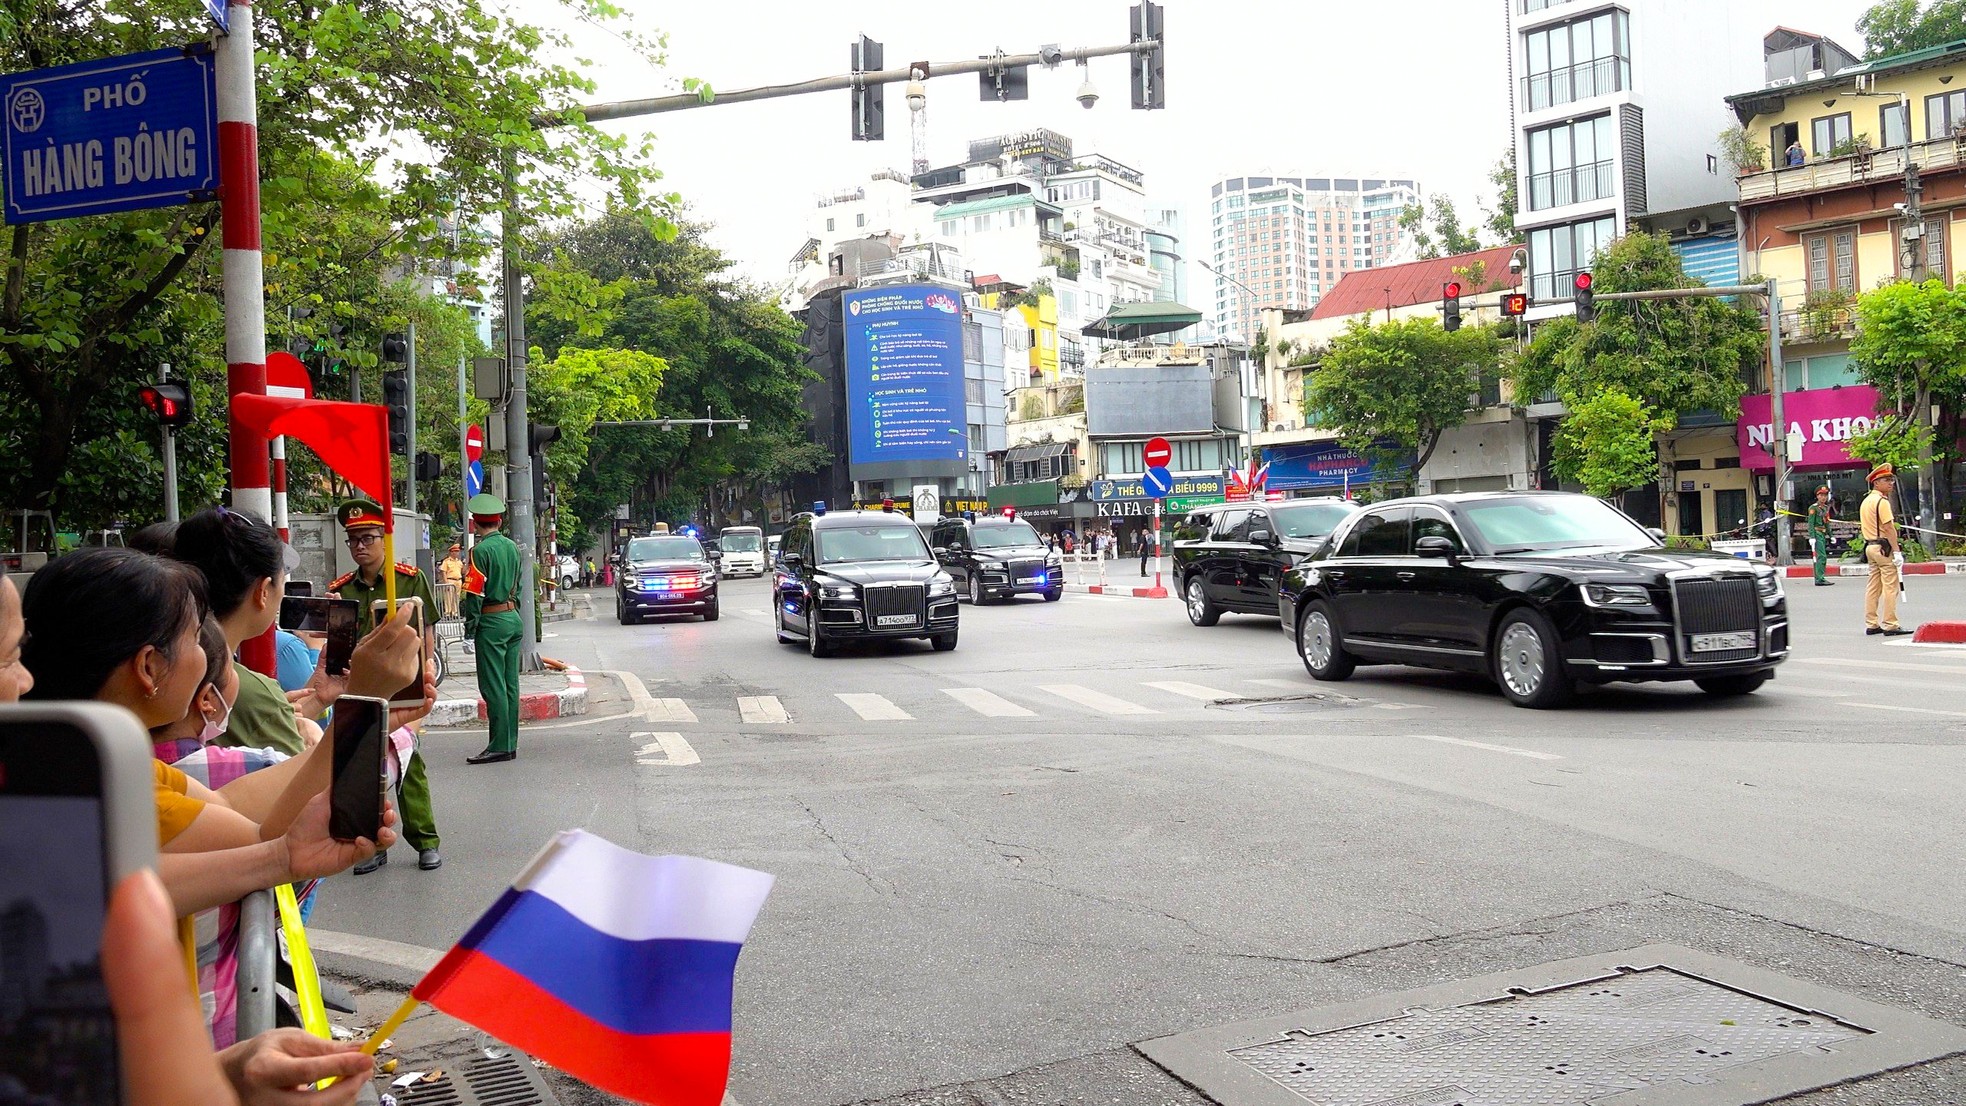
x=1940, y=633
x=538, y=706
x=1923, y=568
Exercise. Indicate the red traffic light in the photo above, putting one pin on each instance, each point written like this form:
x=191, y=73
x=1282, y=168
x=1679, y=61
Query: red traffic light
x=171, y=403
x=1515, y=305
x=1584, y=281
x=1452, y=290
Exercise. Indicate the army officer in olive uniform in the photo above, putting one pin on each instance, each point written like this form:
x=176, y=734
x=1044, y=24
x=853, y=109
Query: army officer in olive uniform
x=362, y=520
x=491, y=617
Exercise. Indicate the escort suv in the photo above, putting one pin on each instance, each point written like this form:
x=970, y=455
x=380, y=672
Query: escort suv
x=858, y=576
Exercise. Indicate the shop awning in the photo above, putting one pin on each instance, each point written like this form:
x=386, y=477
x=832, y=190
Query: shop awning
x=1042, y=451
x=1143, y=320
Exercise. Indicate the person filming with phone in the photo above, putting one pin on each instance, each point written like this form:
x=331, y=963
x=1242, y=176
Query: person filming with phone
x=362, y=521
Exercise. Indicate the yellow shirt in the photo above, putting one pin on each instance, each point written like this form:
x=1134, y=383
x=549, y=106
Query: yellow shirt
x=451, y=570
x=1880, y=523
x=175, y=809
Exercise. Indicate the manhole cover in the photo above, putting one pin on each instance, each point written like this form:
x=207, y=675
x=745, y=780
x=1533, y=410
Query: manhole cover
x=1652, y=1025
x=1287, y=704
x=478, y=1080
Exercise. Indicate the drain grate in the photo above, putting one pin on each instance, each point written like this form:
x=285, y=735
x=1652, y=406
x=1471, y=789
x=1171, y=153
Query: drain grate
x=1311, y=703
x=1651, y=1025
x=477, y=1080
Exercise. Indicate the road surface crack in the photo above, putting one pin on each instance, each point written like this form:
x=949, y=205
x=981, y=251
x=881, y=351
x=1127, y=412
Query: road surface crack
x=879, y=885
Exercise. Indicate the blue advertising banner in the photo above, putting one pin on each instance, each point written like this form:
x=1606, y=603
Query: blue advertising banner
x=1324, y=465
x=1183, y=487
x=115, y=134
x=904, y=362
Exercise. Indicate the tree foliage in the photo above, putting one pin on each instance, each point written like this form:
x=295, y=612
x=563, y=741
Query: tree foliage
x=726, y=350
x=1900, y=26
x=1606, y=444
x=1405, y=382
x=1436, y=228
x=1911, y=344
x=382, y=133
x=1501, y=215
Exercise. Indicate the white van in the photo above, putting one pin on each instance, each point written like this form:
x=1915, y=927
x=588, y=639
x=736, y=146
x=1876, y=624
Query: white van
x=744, y=551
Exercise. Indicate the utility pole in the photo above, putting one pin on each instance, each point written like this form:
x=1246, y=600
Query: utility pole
x=518, y=437
x=409, y=485
x=463, y=446
x=1778, y=438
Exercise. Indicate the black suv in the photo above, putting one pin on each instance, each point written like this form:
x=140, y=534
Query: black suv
x=666, y=574
x=997, y=558
x=1232, y=556
x=860, y=575
x=1539, y=591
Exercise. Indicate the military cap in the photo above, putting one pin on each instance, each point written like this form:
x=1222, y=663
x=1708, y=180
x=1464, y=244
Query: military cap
x=359, y=512
x=485, y=503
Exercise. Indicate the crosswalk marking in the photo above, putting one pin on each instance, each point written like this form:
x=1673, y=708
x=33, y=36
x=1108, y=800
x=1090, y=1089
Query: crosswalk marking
x=1190, y=691
x=1097, y=700
x=1293, y=685
x=1509, y=749
x=761, y=708
x=668, y=710
x=1905, y=665
x=987, y=703
x=666, y=748
x=1906, y=710
x=873, y=708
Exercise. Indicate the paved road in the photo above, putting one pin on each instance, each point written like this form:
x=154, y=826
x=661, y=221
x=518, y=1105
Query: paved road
x=1001, y=866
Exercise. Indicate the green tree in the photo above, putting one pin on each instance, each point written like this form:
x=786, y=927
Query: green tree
x=1671, y=357
x=1501, y=216
x=1911, y=344
x=1405, y=382
x=1606, y=444
x=1436, y=228
x=1894, y=27
x=89, y=307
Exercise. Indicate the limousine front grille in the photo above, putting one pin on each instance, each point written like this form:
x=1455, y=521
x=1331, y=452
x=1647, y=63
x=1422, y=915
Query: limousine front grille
x=894, y=600
x=1716, y=605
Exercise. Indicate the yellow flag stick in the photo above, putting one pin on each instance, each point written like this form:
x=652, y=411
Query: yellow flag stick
x=389, y=564
x=388, y=1029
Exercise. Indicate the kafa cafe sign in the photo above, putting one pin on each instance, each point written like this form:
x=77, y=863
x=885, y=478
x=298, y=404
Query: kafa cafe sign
x=1825, y=418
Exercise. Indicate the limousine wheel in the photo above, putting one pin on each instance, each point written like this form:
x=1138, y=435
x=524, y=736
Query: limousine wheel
x=1528, y=665
x=1201, y=611
x=1727, y=687
x=1324, y=656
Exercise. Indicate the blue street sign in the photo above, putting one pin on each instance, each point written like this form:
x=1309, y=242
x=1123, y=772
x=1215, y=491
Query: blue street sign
x=474, y=479
x=115, y=134
x=1158, y=482
x=221, y=15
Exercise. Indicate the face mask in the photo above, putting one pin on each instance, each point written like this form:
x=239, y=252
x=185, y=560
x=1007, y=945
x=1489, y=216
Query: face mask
x=215, y=730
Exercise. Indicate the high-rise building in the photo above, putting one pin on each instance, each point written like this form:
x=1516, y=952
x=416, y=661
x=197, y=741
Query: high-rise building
x=1282, y=242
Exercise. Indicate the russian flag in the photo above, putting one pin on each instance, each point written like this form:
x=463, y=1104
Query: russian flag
x=613, y=966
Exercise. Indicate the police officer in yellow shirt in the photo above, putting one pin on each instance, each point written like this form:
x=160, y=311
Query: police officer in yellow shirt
x=1881, y=550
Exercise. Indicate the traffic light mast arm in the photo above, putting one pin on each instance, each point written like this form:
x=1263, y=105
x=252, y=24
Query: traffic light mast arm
x=628, y=109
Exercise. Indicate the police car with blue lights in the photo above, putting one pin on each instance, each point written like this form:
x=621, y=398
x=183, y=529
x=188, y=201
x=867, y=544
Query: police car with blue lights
x=846, y=576
x=996, y=557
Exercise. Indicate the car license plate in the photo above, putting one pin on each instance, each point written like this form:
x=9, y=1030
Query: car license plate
x=1034, y=579
x=895, y=620
x=1712, y=643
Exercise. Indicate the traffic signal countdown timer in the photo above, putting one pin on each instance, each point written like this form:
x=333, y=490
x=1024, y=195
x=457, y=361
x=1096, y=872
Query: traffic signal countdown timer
x=1515, y=305
x=1450, y=305
x=171, y=403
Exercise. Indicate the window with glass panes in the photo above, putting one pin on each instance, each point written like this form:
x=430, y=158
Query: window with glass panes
x=1577, y=60
x=1832, y=258
x=1944, y=114
x=1828, y=132
x=1557, y=254
x=1894, y=125
x=1571, y=163
x=1932, y=241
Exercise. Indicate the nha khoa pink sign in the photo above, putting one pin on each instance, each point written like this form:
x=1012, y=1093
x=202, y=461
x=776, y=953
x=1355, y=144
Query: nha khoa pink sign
x=1826, y=418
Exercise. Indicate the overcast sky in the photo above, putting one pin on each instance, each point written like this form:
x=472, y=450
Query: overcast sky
x=1399, y=88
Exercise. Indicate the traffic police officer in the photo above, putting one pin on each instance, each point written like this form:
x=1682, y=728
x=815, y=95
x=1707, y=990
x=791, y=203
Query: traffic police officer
x=491, y=617
x=362, y=520
x=1881, y=551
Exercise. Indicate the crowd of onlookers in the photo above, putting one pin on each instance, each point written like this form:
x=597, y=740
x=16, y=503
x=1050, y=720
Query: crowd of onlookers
x=241, y=779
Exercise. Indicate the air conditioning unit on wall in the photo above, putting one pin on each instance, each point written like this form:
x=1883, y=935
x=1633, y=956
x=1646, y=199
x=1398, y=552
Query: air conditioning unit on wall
x=1695, y=227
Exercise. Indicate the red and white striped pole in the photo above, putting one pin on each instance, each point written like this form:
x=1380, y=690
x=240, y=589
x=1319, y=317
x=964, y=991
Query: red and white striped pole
x=244, y=287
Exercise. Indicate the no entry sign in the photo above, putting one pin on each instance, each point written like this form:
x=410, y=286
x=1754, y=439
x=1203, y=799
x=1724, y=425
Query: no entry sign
x=1158, y=453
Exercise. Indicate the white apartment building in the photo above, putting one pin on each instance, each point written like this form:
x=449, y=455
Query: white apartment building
x=1289, y=240
x=1618, y=107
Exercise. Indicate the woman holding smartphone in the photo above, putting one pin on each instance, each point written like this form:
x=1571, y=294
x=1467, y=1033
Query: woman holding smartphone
x=245, y=566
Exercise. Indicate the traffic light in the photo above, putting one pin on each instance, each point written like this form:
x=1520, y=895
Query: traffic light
x=395, y=349
x=540, y=435
x=1515, y=305
x=870, y=99
x=171, y=403
x=429, y=466
x=1450, y=305
x=396, y=396
x=1584, y=299
x=1149, y=70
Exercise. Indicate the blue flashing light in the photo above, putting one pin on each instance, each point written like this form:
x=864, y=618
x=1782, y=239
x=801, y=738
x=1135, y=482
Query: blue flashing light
x=819, y=507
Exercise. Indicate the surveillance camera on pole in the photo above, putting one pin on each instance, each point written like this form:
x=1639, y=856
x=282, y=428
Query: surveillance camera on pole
x=1088, y=95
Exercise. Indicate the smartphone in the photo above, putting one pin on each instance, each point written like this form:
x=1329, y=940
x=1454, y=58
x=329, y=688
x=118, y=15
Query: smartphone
x=300, y=587
x=332, y=617
x=412, y=693
x=360, y=782
x=77, y=814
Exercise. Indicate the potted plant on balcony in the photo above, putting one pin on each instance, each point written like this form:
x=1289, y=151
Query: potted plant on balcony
x=1741, y=152
x=1826, y=313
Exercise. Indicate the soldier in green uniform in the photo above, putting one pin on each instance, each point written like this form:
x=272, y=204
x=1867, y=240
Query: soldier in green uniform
x=362, y=520
x=491, y=617
x=1819, y=516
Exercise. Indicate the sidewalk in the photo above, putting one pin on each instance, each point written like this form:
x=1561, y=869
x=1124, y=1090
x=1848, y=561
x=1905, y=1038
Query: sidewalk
x=1122, y=577
x=542, y=695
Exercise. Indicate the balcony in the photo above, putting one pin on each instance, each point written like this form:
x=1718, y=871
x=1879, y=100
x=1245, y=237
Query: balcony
x=1582, y=81
x=1886, y=167
x=1824, y=317
x=1560, y=187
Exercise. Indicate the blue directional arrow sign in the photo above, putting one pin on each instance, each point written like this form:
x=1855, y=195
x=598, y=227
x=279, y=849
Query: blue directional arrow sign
x=1158, y=482
x=474, y=479
x=115, y=134
x=221, y=15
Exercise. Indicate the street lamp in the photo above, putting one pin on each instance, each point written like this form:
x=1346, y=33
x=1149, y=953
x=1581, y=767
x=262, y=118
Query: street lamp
x=1247, y=291
x=1253, y=416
